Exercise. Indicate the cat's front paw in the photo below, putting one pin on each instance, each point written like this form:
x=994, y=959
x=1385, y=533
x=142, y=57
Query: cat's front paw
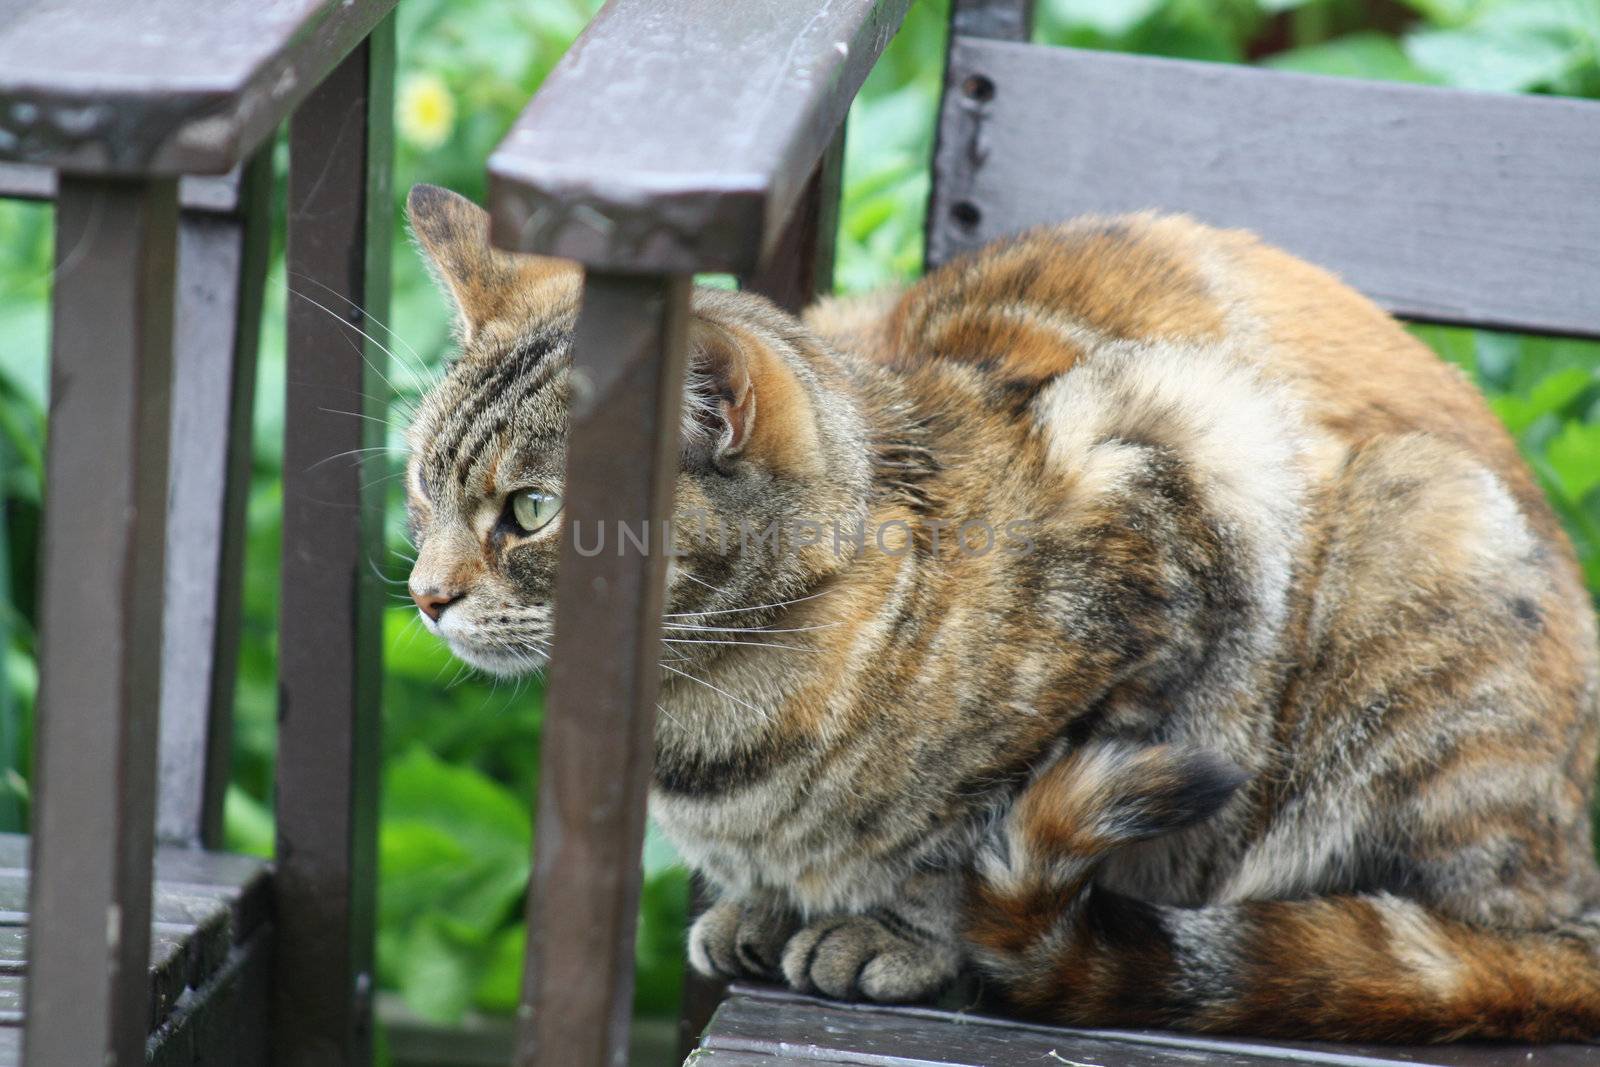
x=859, y=957
x=741, y=938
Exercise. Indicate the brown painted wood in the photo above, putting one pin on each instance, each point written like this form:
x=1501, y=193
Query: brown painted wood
x=162, y=86
x=598, y=741
x=800, y=267
x=222, y=267
x=700, y=995
x=216, y=193
x=1472, y=208
x=759, y=1022
x=673, y=137
x=100, y=651
x=999, y=20
x=206, y=908
x=225, y=1020
x=340, y=214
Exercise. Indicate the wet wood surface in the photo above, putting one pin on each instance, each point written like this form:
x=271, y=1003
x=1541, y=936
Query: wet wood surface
x=763, y=1027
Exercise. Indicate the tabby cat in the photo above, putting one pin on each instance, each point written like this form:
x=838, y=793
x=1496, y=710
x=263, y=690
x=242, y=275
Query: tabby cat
x=1251, y=686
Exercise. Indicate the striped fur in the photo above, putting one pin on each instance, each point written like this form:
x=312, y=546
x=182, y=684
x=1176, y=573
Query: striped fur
x=1246, y=531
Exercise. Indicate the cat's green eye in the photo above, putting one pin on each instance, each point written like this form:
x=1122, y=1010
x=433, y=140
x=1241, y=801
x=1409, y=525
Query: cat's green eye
x=532, y=509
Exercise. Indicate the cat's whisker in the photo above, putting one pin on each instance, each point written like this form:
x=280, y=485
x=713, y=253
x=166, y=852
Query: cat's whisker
x=351, y=452
x=688, y=626
x=373, y=367
x=717, y=689
x=742, y=644
x=381, y=576
x=391, y=476
x=360, y=415
x=669, y=715
x=420, y=365
x=752, y=607
x=701, y=581
x=463, y=673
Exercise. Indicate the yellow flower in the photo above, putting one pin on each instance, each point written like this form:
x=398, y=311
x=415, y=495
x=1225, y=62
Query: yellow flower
x=426, y=112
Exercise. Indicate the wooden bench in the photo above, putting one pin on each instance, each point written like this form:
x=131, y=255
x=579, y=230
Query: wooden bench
x=700, y=135
x=150, y=125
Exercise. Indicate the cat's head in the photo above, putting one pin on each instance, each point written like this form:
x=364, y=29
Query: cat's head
x=769, y=443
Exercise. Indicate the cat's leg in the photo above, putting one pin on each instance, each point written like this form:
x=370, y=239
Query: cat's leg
x=905, y=950
x=743, y=937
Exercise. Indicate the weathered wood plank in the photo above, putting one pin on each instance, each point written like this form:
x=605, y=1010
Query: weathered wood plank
x=210, y=193
x=1449, y=206
x=622, y=462
x=100, y=619
x=761, y=1022
x=800, y=266
x=162, y=86
x=205, y=905
x=722, y=1058
x=224, y=1021
x=677, y=135
x=341, y=209
x=222, y=267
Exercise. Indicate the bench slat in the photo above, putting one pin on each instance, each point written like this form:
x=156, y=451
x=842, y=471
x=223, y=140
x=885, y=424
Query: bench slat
x=1470, y=208
x=761, y=1022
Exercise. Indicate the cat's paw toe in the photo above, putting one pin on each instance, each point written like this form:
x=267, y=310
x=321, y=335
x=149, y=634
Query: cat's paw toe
x=859, y=958
x=740, y=939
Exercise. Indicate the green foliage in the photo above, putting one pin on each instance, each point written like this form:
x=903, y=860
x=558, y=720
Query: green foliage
x=461, y=753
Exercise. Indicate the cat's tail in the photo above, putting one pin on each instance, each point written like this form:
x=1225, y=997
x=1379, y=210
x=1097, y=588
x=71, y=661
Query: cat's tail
x=1374, y=968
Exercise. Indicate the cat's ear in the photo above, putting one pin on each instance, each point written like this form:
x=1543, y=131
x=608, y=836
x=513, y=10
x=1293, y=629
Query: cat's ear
x=484, y=282
x=720, y=413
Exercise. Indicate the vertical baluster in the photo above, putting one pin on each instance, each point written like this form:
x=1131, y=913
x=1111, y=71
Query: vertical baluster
x=800, y=267
x=222, y=266
x=100, y=645
x=340, y=212
x=797, y=271
x=598, y=734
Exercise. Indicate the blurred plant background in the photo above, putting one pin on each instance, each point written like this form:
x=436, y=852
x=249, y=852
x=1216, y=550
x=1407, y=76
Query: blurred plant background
x=461, y=754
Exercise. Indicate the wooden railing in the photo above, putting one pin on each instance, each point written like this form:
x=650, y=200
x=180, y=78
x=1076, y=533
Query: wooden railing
x=103, y=105
x=619, y=164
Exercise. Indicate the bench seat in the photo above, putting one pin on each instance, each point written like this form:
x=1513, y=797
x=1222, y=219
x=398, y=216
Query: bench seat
x=209, y=959
x=760, y=1026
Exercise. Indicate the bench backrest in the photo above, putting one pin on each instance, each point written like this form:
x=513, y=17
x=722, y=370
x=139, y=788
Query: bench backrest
x=1460, y=207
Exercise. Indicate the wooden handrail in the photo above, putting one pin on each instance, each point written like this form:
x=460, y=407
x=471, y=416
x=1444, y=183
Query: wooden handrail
x=677, y=135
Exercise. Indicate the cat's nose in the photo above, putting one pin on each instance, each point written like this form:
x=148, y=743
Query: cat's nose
x=432, y=603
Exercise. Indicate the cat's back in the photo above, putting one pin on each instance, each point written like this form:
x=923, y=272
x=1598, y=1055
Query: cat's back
x=1027, y=310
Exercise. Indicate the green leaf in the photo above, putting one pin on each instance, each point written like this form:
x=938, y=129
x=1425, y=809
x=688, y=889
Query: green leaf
x=477, y=811
x=1574, y=455
x=1550, y=396
x=452, y=841
x=1110, y=17
x=247, y=824
x=658, y=951
x=1498, y=57
x=1359, y=55
x=438, y=969
x=1445, y=12
x=500, y=984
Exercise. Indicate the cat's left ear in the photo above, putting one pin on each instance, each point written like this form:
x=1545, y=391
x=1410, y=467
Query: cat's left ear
x=484, y=282
x=720, y=409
